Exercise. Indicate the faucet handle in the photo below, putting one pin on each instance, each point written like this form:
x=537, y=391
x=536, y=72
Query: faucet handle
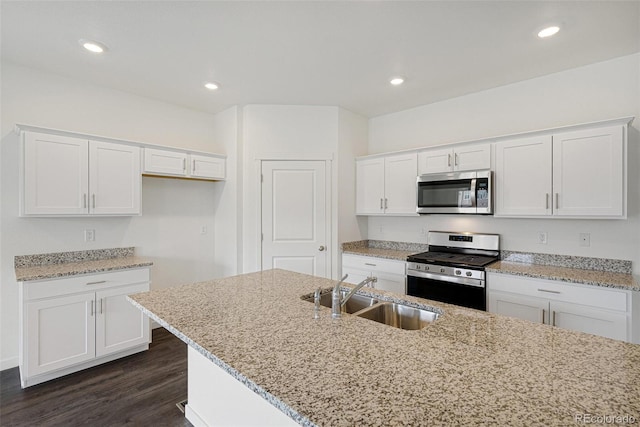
x=316, y=303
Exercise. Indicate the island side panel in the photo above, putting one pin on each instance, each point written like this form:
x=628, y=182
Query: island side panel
x=215, y=398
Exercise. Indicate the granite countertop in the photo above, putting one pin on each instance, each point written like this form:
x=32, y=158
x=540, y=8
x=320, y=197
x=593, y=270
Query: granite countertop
x=467, y=368
x=62, y=264
x=383, y=249
x=565, y=274
x=610, y=273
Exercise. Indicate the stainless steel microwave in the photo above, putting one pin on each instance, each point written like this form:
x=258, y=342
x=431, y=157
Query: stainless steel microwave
x=455, y=193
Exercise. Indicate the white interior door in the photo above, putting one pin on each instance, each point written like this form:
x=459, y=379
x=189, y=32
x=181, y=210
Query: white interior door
x=295, y=217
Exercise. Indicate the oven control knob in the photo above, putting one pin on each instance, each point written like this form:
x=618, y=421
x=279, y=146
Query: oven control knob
x=442, y=270
x=469, y=273
x=426, y=267
x=418, y=267
x=458, y=272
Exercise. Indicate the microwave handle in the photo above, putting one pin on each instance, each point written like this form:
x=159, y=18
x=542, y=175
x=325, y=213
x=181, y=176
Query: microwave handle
x=474, y=188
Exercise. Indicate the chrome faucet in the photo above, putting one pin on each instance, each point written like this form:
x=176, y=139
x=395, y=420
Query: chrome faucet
x=337, y=303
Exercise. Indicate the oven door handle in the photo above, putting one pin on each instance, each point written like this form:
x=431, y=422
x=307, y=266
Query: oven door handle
x=460, y=280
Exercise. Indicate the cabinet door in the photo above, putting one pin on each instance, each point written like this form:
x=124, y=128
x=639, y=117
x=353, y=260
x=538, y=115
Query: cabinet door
x=60, y=332
x=400, y=172
x=588, y=172
x=165, y=162
x=610, y=324
x=119, y=324
x=114, y=179
x=472, y=157
x=55, y=175
x=435, y=161
x=390, y=282
x=355, y=275
x=207, y=167
x=523, y=177
x=520, y=306
x=370, y=186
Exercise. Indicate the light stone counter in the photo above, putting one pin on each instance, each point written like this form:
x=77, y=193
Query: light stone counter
x=574, y=275
x=383, y=249
x=62, y=264
x=467, y=368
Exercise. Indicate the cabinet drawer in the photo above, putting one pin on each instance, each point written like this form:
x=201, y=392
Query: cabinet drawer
x=560, y=291
x=83, y=283
x=374, y=264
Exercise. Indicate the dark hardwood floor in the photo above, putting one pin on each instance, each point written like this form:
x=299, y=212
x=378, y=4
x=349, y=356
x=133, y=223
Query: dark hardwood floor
x=139, y=390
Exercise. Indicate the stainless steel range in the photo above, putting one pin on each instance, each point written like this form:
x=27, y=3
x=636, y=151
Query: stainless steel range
x=452, y=271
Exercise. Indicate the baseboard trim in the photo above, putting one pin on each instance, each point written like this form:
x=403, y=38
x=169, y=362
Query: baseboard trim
x=8, y=363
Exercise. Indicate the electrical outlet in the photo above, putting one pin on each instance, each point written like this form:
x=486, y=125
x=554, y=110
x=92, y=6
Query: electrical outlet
x=203, y=229
x=89, y=235
x=585, y=239
x=542, y=237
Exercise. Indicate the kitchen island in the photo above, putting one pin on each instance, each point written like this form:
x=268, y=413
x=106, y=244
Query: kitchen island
x=466, y=368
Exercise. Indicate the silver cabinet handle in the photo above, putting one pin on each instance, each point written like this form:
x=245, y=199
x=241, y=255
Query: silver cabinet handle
x=96, y=283
x=368, y=263
x=381, y=204
x=385, y=203
x=548, y=291
x=321, y=248
x=557, y=205
x=448, y=159
x=100, y=305
x=543, y=312
x=94, y=200
x=92, y=302
x=456, y=159
x=547, y=200
x=553, y=318
x=184, y=164
x=193, y=166
x=84, y=200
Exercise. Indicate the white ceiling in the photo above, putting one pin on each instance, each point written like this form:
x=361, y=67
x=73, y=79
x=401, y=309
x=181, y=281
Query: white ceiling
x=314, y=53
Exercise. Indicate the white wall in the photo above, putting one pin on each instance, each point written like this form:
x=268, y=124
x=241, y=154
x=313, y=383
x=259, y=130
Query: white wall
x=352, y=142
x=288, y=130
x=173, y=210
x=228, y=196
x=595, y=92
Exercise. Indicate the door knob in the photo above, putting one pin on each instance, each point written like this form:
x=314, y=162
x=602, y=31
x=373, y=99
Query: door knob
x=321, y=248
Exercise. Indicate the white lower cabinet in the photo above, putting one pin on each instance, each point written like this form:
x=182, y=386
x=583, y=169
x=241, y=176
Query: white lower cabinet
x=74, y=323
x=391, y=274
x=594, y=310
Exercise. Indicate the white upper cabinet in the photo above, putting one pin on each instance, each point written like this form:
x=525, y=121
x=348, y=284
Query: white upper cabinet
x=370, y=186
x=588, y=172
x=461, y=158
x=386, y=185
x=71, y=176
x=571, y=174
x=55, y=175
x=114, y=179
x=183, y=164
x=207, y=167
x=165, y=162
x=523, y=176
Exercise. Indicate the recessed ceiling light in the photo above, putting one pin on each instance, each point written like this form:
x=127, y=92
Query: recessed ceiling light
x=211, y=85
x=548, y=32
x=396, y=81
x=93, y=46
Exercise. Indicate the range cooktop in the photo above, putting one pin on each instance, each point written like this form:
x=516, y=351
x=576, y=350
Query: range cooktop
x=452, y=259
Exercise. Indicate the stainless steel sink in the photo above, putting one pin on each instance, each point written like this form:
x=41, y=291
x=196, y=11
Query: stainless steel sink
x=399, y=315
x=354, y=304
